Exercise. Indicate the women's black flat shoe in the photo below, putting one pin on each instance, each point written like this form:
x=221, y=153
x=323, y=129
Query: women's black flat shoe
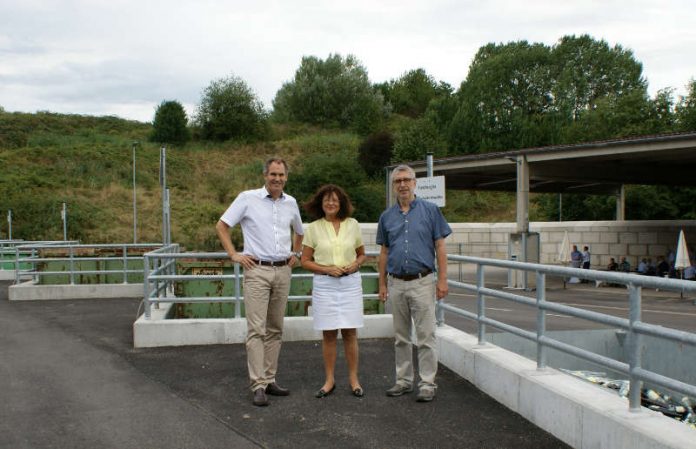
x=322, y=394
x=358, y=392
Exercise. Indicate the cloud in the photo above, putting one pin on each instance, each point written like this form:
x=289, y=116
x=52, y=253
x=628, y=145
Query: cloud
x=127, y=56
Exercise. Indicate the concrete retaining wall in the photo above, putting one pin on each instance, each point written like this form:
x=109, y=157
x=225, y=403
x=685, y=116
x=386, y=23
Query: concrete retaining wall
x=158, y=331
x=29, y=291
x=581, y=414
x=632, y=239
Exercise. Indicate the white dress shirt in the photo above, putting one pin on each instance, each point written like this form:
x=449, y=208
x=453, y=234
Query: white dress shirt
x=265, y=223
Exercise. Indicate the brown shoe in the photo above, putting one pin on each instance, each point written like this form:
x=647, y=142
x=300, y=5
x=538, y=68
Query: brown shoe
x=260, y=398
x=275, y=390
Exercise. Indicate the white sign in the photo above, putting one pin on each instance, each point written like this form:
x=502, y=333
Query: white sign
x=432, y=189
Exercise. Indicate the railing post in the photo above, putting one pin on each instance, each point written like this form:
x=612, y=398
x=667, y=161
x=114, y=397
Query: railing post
x=146, y=286
x=237, y=293
x=541, y=318
x=35, y=276
x=481, y=300
x=461, y=268
x=17, y=265
x=125, y=264
x=72, y=266
x=634, y=348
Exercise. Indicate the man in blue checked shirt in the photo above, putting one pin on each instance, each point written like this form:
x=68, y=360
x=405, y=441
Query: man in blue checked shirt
x=411, y=235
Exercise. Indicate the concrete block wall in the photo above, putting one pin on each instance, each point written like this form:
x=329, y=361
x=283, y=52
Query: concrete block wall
x=606, y=239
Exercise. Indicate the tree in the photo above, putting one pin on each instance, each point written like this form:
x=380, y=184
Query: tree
x=411, y=94
x=375, y=152
x=169, y=125
x=340, y=168
x=331, y=92
x=520, y=95
x=415, y=139
x=229, y=109
x=587, y=70
x=686, y=109
x=504, y=99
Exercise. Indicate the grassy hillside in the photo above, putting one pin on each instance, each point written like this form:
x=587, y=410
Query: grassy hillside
x=48, y=159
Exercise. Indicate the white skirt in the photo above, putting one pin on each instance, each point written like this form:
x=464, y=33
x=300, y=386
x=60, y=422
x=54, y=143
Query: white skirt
x=337, y=303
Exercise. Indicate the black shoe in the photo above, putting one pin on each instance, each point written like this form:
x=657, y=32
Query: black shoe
x=358, y=392
x=260, y=399
x=275, y=390
x=322, y=394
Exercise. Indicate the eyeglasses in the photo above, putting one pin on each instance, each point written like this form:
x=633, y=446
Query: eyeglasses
x=402, y=180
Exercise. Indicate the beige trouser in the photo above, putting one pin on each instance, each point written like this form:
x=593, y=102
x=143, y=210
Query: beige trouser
x=265, y=297
x=414, y=300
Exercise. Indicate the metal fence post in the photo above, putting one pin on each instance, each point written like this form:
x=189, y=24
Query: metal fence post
x=541, y=318
x=146, y=286
x=125, y=264
x=634, y=348
x=481, y=300
x=35, y=273
x=72, y=266
x=461, y=266
x=17, y=265
x=237, y=293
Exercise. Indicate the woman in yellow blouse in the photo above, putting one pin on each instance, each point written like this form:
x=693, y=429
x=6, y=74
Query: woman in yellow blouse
x=333, y=250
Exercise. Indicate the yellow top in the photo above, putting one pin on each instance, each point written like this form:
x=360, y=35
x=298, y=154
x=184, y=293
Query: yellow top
x=331, y=248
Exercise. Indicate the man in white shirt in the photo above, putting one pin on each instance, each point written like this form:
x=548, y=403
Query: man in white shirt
x=266, y=216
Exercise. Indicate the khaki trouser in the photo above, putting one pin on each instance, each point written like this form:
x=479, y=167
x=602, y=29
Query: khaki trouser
x=265, y=297
x=413, y=303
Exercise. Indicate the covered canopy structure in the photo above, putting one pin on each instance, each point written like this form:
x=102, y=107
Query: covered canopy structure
x=601, y=167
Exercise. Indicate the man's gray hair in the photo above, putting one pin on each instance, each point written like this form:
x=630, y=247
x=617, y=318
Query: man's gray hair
x=400, y=168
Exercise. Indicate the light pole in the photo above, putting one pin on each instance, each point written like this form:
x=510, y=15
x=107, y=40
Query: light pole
x=135, y=207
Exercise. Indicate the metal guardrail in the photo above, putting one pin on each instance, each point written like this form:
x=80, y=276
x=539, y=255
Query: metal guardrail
x=28, y=255
x=160, y=275
x=633, y=326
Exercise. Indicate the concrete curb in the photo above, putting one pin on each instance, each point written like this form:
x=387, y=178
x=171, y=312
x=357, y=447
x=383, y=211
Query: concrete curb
x=27, y=291
x=582, y=415
x=158, y=331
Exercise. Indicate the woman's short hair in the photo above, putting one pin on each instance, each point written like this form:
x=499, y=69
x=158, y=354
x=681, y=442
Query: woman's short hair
x=314, y=205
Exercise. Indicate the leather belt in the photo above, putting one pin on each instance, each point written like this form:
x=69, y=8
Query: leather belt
x=268, y=263
x=411, y=277
x=327, y=274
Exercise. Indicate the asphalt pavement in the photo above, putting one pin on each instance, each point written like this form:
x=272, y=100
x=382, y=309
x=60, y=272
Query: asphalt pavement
x=70, y=378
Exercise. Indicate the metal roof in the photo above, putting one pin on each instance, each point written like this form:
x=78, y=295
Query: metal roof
x=592, y=167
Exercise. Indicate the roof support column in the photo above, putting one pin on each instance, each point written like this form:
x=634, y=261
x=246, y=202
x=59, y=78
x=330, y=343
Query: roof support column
x=522, y=194
x=621, y=203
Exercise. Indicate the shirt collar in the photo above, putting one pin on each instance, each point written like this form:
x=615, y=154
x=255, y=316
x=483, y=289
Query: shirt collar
x=413, y=204
x=268, y=195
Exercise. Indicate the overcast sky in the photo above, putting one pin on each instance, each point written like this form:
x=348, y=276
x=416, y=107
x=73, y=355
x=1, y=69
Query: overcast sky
x=123, y=57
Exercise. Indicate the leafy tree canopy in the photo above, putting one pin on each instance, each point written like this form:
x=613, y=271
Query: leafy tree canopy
x=519, y=95
x=412, y=92
x=686, y=109
x=169, y=125
x=331, y=92
x=229, y=109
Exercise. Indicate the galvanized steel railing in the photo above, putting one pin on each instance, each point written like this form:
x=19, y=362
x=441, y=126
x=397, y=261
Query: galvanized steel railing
x=160, y=275
x=29, y=255
x=634, y=327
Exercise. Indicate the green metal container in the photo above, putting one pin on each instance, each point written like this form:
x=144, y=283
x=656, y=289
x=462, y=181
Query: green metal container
x=216, y=288
x=114, y=262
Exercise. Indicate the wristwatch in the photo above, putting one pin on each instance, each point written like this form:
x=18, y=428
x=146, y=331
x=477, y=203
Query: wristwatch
x=297, y=254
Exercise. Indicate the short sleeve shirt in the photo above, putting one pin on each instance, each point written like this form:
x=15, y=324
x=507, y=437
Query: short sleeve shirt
x=331, y=248
x=266, y=223
x=410, y=236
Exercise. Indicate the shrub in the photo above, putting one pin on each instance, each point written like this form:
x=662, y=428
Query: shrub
x=169, y=125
